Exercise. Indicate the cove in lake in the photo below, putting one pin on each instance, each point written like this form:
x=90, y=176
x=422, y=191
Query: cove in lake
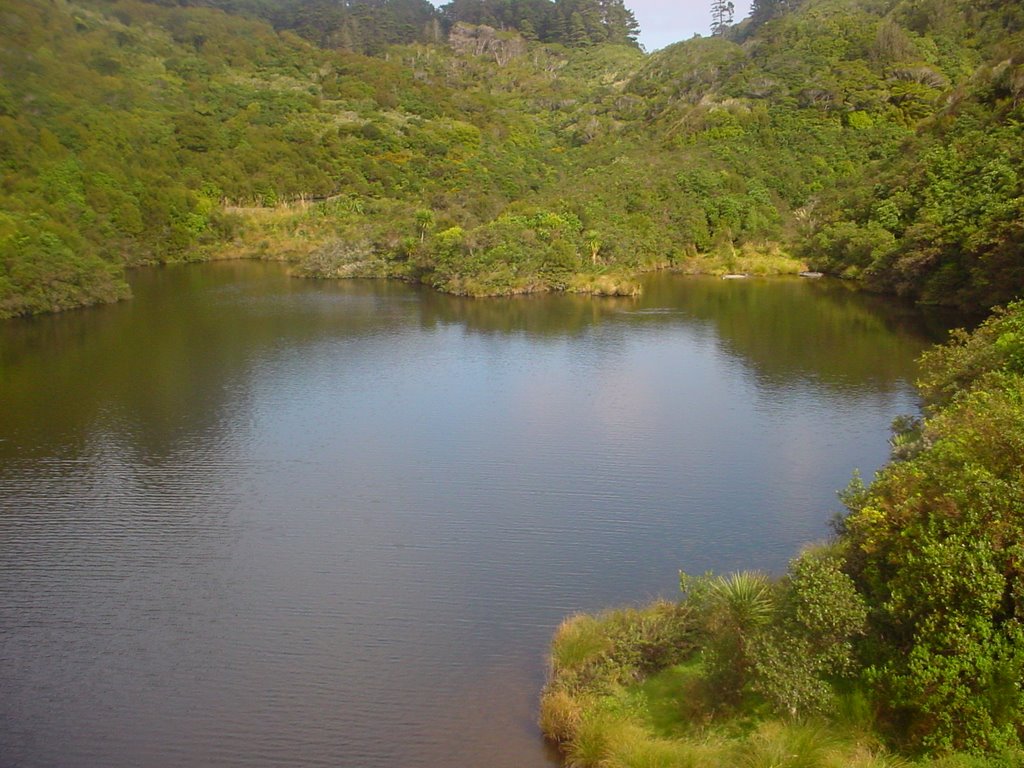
x=249, y=520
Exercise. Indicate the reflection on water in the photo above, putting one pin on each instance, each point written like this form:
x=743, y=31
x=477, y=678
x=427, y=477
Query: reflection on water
x=248, y=520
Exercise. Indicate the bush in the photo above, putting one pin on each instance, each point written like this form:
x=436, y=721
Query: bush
x=935, y=547
x=997, y=345
x=733, y=611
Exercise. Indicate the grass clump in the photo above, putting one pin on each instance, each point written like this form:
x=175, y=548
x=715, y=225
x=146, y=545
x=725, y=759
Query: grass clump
x=786, y=745
x=593, y=657
x=561, y=715
x=646, y=751
x=756, y=260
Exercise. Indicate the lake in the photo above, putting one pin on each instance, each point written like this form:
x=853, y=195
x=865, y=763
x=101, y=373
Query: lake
x=248, y=520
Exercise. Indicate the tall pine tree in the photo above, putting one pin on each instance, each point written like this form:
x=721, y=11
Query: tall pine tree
x=619, y=22
x=722, y=12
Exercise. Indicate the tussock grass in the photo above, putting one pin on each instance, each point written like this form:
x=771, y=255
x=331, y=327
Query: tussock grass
x=604, y=284
x=751, y=259
x=629, y=689
x=864, y=756
x=599, y=738
x=561, y=715
x=786, y=745
x=765, y=261
x=646, y=751
x=579, y=640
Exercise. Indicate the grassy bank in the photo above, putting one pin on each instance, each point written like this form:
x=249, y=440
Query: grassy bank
x=629, y=688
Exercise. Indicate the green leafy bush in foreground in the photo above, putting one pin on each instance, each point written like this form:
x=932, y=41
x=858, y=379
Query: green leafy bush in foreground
x=935, y=546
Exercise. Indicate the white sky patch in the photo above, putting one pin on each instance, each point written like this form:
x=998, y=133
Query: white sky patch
x=663, y=22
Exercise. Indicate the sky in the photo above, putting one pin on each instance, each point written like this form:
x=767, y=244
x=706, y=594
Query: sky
x=663, y=22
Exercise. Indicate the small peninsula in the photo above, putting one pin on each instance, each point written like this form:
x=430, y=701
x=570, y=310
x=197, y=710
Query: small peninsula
x=897, y=643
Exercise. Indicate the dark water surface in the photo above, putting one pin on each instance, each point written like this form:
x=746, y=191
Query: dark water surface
x=253, y=521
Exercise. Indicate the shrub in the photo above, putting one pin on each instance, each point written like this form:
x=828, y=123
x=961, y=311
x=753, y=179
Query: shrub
x=996, y=345
x=733, y=610
x=935, y=546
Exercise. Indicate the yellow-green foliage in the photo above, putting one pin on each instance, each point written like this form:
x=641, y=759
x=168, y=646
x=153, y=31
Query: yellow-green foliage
x=599, y=737
x=581, y=641
x=593, y=656
x=589, y=653
x=793, y=745
x=561, y=714
x=645, y=751
x=604, y=284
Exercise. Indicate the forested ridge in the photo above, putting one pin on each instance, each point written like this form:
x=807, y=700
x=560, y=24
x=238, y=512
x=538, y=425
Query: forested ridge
x=495, y=148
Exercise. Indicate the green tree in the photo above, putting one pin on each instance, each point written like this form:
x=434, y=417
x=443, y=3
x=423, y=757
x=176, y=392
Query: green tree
x=722, y=12
x=810, y=642
x=578, y=35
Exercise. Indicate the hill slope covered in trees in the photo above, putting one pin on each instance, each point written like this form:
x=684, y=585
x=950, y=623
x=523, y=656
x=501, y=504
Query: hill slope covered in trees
x=879, y=140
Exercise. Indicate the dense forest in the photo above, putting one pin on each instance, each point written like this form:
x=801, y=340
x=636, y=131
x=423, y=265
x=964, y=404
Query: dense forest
x=503, y=147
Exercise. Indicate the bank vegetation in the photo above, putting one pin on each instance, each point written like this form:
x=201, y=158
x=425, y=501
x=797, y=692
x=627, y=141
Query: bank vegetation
x=899, y=642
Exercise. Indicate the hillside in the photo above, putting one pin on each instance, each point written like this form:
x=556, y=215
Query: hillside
x=488, y=161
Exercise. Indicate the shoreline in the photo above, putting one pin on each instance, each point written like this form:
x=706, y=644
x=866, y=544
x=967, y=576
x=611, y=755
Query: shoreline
x=608, y=282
